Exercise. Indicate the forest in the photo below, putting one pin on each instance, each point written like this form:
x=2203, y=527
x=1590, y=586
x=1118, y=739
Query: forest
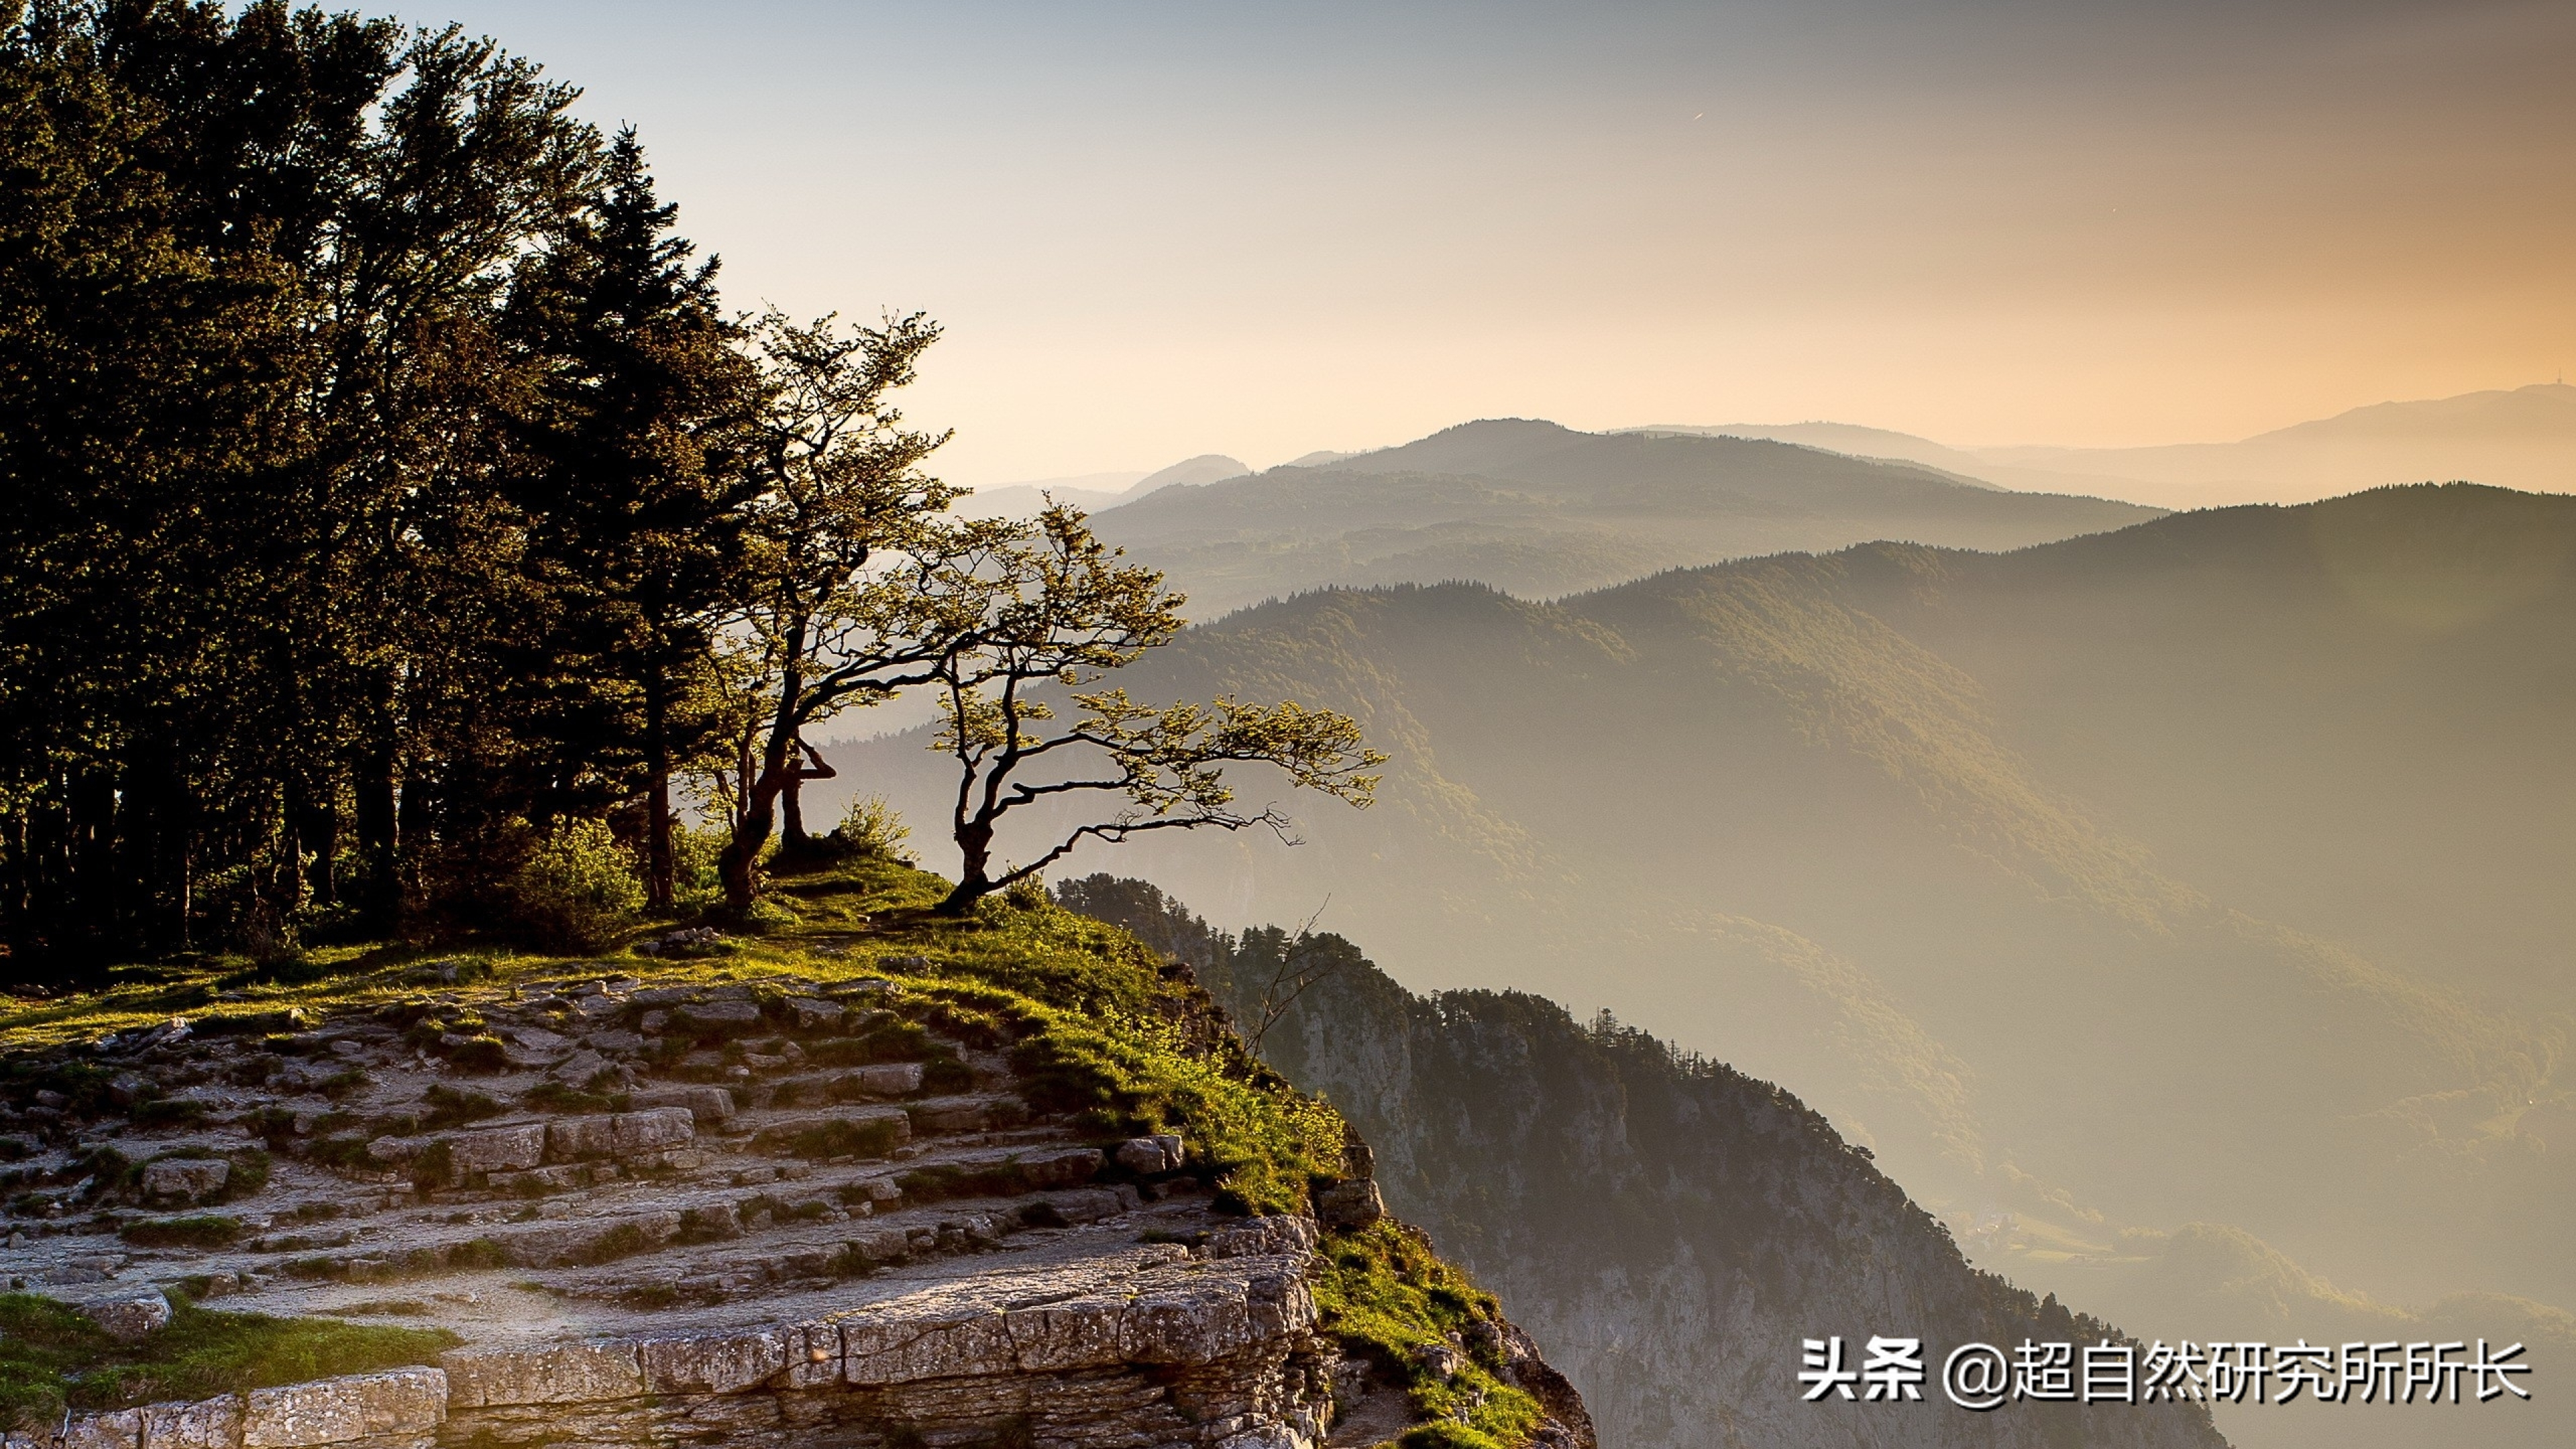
x=400, y=535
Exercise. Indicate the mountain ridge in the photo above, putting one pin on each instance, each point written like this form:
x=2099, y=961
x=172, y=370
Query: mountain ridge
x=1543, y=509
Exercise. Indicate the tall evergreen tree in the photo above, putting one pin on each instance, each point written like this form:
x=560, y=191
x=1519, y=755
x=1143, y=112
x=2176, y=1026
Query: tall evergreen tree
x=631, y=433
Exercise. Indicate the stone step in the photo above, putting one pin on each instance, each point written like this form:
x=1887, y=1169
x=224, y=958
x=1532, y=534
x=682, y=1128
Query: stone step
x=1208, y=1338
x=607, y=1225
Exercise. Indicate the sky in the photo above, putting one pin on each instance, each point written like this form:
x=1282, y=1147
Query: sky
x=1153, y=230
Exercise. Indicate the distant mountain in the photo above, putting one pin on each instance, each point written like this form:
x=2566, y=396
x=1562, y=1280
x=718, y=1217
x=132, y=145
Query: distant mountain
x=1089, y=492
x=1958, y=463
x=2524, y=438
x=1092, y=492
x=1541, y=509
x=1669, y=1231
x=2208, y=871
x=1189, y=472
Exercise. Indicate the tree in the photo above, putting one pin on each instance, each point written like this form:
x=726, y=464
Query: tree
x=1054, y=606
x=633, y=432
x=248, y=264
x=839, y=533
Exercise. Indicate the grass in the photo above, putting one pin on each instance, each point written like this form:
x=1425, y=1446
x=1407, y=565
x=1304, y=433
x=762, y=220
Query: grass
x=205, y=1230
x=835, y=1138
x=1386, y=1295
x=448, y=1107
x=52, y=1358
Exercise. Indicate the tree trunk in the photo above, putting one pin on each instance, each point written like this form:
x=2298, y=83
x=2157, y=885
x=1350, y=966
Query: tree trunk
x=739, y=865
x=659, y=885
x=791, y=813
x=974, y=859
x=321, y=836
x=740, y=862
x=380, y=890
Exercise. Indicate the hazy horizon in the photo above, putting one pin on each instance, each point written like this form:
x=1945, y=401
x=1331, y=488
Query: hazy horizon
x=1154, y=231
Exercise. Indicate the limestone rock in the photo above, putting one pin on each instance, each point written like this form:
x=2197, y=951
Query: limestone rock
x=708, y=1105
x=714, y=1363
x=127, y=1317
x=336, y=1411
x=1150, y=1156
x=120, y=1430
x=570, y=1139
x=589, y=1240
x=652, y=1131
x=860, y=1125
x=185, y=1179
x=722, y=1018
x=1353, y=1204
x=885, y=1079
x=1066, y=1168
x=1264, y=1237
x=578, y=1069
x=1084, y=1204
x=813, y=1014
x=204, y=1424
x=560, y=1373
x=499, y=1149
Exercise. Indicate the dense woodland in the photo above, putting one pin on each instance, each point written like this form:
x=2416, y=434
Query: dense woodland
x=399, y=532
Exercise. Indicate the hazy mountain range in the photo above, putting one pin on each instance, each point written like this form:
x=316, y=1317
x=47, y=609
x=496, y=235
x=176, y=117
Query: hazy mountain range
x=2210, y=871
x=2524, y=438
x=1092, y=492
x=1540, y=510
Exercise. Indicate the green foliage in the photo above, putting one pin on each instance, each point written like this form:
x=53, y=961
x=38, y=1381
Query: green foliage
x=695, y=851
x=480, y=1054
x=578, y=888
x=1136, y=1075
x=435, y=1167
x=203, y=1231
x=1055, y=607
x=450, y=1107
x=835, y=1138
x=169, y=1112
x=556, y=1097
x=885, y=1038
x=871, y=828
x=51, y=1357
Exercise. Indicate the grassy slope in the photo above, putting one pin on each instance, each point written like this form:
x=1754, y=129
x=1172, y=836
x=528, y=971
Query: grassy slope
x=51, y=1357
x=1092, y=1019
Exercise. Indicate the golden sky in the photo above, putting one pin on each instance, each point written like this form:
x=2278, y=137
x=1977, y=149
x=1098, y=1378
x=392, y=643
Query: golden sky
x=1155, y=230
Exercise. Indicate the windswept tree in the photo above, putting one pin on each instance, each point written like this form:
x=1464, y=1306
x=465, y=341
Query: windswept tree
x=1056, y=610
x=839, y=532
